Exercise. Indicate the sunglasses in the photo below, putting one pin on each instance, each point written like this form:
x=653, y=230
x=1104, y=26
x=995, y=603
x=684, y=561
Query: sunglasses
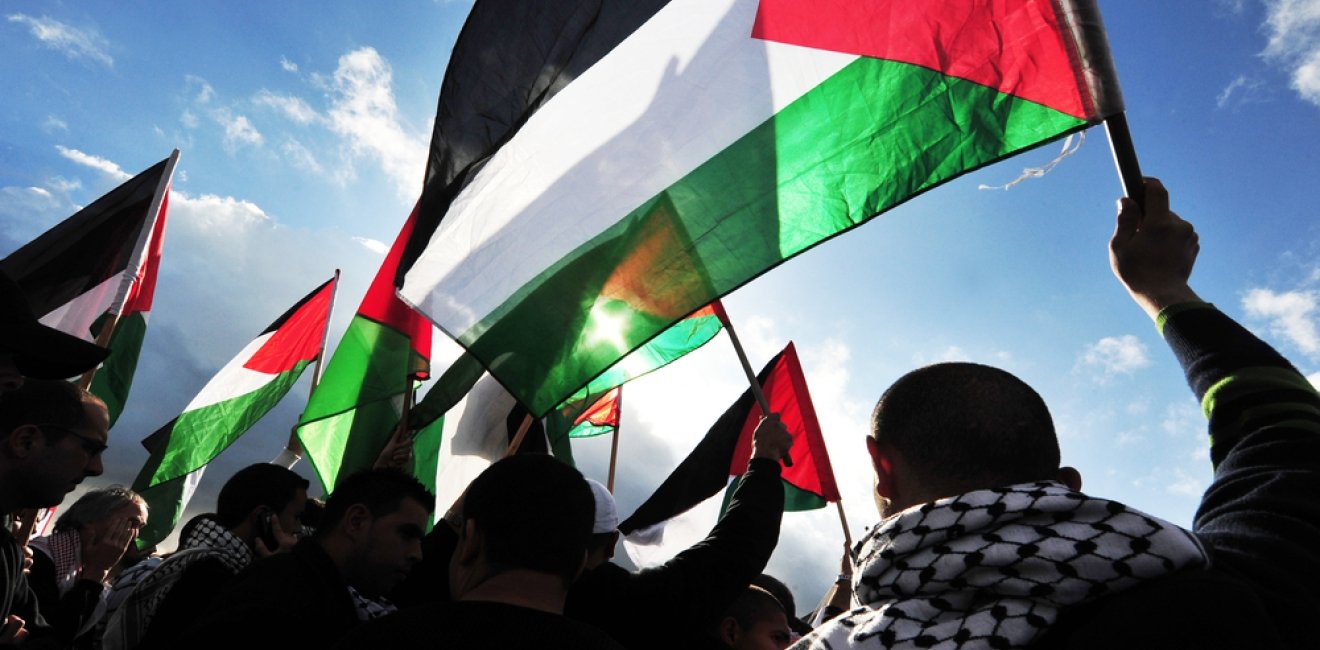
x=91, y=445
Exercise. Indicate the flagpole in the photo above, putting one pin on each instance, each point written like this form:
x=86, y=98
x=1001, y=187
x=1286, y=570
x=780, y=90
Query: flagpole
x=294, y=446
x=843, y=519
x=614, y=444
x=518, y=437
x=1125, y=158
x=751, y=378
x=102, y=339
x=409, y=397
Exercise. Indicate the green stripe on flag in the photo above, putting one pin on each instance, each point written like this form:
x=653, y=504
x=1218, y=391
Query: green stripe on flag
x=114, y=378
x=201, y=434
x=868, y=138
x=353, y=411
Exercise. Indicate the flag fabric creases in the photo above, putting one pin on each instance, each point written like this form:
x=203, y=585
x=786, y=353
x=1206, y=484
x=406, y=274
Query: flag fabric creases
x=712, y=140
x=356, y=406
x=239, y=395
x=98, y=269
x=727, y=446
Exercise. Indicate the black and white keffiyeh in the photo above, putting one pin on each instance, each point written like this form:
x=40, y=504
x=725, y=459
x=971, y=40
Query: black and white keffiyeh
x=993, y=568
x=369, y=608
x=207, y=539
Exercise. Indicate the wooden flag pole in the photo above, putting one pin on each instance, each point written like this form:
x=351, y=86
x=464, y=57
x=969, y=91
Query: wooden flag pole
x=294, y=446
x=409, y=396
x=843, y=519
x=518, y=437
x=614, y=444
x=751, y=378
x=102, y=339
x=1125, y=158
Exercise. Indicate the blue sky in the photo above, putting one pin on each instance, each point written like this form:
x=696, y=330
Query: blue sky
x=304, y=128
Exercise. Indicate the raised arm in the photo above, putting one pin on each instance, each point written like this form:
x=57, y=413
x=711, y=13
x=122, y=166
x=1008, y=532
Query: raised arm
x=1260, y=517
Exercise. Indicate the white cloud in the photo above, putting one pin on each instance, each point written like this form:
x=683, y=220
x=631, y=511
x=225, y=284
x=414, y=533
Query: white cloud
x=364, y=112
x=1291, y=314
x=292, y=107
x=1186, y=484
x=376, y=246
x=1294, y=27
x=289, y=66
x=300, y=156
x=40, y=191
x=1115, y=355
x=205, y=92
x=238, y=130
x=1242, y=90
x=188, y=119
x=74, y=43
x=100, y=164
x=52, y=124
x=1314, y=378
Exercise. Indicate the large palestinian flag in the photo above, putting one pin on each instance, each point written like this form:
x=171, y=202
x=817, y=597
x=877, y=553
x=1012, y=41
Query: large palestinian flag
x=247, y=388
x=356, y=405
x=601, y=168
x=98, y=269
x=727, y=448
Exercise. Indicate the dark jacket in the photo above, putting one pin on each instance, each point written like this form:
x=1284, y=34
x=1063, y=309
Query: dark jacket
x=291, y=600
x=668, y=605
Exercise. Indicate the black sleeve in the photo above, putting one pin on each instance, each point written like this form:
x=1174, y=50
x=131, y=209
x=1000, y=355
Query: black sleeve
x=1260, y=517
x=700, y=583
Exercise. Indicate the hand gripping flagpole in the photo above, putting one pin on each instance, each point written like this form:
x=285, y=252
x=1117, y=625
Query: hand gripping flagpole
x=751, y=374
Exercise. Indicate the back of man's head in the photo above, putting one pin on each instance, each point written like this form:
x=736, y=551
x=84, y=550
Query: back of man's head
x=535, y=513
x=261, y=484
x=381, y=491
x=965, y=426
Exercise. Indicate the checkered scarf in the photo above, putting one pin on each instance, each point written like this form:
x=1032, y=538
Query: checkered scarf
x=369, y=608
x=65, y=551
x=993, y=568
x=207, y=539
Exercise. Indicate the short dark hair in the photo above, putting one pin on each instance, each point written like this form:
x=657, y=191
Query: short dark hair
x=381, y=490
x=755, y=604
x=261, y=484
x=44, y=401
x=535, y=513
x=965, y=426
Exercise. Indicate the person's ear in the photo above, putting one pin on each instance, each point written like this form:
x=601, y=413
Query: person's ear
x=728, y=631
x=1070, y=477
x=882, y=463
x=357, y=520
x=23, y=440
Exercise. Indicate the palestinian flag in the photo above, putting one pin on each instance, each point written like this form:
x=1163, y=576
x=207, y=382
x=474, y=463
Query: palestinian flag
x=237, y=397
x=621, y=163
x=98, y=268
x=475, y=432
x=356, y=405
x=595, y=419
x=727, y=448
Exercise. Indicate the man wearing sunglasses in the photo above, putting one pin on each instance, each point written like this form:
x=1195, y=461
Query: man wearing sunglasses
x=52, y=434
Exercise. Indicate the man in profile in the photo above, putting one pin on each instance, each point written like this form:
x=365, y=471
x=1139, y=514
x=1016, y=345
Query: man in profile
x=52, y=434
x=369, y=539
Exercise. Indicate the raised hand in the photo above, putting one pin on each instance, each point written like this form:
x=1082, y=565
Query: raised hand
x=105, y=546
x=771, y=438
x=1152, y=253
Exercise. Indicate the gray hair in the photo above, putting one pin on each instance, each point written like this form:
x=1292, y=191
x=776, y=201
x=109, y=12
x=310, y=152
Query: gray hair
x=96, y=505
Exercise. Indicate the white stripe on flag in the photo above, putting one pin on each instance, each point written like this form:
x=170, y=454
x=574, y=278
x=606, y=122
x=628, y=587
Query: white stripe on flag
x=76, y=316
x=476, y=434
x=681, y=89
x=233, y=380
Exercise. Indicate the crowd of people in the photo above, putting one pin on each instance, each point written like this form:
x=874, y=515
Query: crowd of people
x=984, y=540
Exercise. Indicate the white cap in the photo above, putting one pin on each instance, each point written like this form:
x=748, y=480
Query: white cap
x=607, y=514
